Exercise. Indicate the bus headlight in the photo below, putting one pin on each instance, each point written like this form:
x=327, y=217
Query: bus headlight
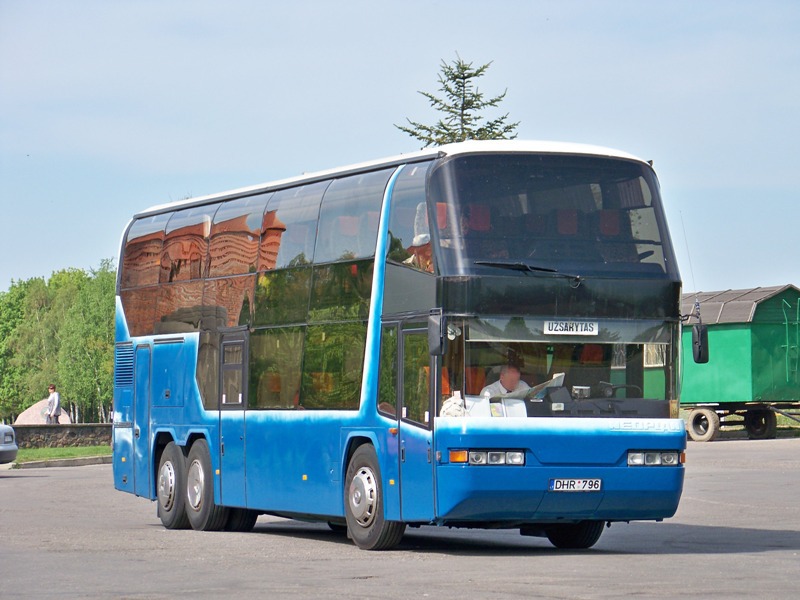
x=654, y=458
x=514, y=458
x=496, y=458
x=669, y=459
x=477, y=457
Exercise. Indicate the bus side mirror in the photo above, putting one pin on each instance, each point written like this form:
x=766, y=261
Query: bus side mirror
x=700, y=343
x=435, y=336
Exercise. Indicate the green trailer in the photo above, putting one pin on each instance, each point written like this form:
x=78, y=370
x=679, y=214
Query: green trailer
x=752, y=371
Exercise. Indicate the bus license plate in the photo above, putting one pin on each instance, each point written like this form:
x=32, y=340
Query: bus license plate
x=576, y=485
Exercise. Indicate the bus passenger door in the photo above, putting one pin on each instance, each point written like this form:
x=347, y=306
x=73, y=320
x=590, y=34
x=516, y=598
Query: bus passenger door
x=141, y=424
x=416, y=422
x=232, y=404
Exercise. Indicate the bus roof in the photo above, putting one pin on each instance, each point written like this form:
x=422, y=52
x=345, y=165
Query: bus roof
x=468, y=147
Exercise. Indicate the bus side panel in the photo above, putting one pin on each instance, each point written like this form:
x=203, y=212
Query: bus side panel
x=122, y=431
x=176, y=407
x=142, y=442
x=386, y=448
x=558, y=449
x=294, y=461
x=173, y=373
x=122, y=442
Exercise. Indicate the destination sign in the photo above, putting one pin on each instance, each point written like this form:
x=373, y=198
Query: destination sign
x=571, y=328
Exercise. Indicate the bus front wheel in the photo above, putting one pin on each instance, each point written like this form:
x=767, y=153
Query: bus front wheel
x=203, y=512
x=171, y=493
x=363, y=504
x=575, y=536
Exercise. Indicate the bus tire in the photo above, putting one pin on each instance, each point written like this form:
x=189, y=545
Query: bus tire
x=337, y=527
x=171, y=492
x=241, y=520
x=363, y=504
x=575, y=536
x=203, y=513
x=761, y=424
x=703, y=425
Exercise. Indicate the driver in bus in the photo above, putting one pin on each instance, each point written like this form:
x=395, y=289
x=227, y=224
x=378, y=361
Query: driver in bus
x=509, y=381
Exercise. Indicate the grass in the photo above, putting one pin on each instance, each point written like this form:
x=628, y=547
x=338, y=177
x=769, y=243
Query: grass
x=33, y=454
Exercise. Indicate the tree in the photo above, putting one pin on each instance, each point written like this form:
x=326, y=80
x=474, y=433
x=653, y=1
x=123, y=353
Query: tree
x=12, y=305
x=59, y=331
x=36, y=339
x=461, y=105
x=86, y=353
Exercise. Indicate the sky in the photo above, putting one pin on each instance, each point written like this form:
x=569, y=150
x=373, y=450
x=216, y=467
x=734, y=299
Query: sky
x=107, y=108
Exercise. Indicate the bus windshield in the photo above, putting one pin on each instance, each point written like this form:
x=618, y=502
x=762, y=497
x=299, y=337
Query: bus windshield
x=549, y=214
x=587, y=368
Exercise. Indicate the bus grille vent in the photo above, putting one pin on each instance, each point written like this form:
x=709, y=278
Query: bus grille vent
x=123, y=365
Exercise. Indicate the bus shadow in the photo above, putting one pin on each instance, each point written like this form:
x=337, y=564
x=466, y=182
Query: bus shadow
x=682, y=539
x=626, y=539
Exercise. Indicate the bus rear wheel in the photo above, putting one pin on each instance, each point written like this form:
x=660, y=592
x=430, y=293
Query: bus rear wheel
x=171, y=492
x=203, y=513
x=575, y=536
x=241, y=520
x=703, y=425
x=761, y=424
x=363, y=504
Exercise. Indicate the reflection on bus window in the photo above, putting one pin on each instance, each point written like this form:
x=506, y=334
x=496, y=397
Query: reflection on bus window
x=409, y=229
x=341, y=291
x=185, y=250
x=293, y=214
x=585, y=215
x=416, y=378
x=275, y=359
x=348, y=219
x=387, y=384
x=235, y=235
x=332, y=361
x=141, y=259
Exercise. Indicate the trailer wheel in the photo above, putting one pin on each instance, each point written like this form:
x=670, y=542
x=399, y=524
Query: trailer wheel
x=761, y=424
x=703, y=425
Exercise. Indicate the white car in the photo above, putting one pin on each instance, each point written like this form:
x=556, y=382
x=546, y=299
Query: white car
x=8, y=444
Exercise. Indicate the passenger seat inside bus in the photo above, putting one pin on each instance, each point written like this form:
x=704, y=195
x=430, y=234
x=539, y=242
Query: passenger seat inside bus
x=483, y=242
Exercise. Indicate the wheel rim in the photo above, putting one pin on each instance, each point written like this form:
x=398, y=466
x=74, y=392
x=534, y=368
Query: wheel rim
x=195, y=484
x=756, y=423
x=363, y=496
x=701, y=425
x=166, y=485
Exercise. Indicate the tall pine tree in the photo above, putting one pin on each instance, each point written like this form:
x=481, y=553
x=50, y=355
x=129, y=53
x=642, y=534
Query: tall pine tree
x=461, y=107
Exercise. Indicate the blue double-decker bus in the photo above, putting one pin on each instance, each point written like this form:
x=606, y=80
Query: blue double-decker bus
x=483, y=335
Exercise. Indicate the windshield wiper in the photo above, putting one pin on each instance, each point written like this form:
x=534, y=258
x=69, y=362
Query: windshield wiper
x=526, y=268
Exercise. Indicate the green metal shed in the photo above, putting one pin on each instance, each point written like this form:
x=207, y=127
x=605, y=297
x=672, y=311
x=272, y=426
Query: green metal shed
x=753, y=338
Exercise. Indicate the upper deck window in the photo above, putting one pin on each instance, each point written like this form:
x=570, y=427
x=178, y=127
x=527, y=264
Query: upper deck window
x=567, y=213
x=348, y=220
x=290, y=226
x=141, y=258
x=184, y=255
x=409, y=231
x=235, y=235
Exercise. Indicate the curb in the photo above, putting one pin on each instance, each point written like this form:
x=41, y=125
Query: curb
x=65, y=462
